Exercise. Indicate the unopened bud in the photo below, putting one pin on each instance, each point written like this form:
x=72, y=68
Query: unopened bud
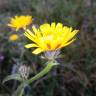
x=24, y=71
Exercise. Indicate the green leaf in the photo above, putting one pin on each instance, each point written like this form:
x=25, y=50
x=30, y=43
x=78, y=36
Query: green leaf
x=13, y=76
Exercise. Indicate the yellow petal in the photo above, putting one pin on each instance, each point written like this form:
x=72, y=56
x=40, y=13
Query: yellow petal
x=30, y=33
x=59, y=25
x=35, y=29
x=66, y=44
x=29, y=36
x=73, y=33
x=44, y=27
x=53, y=25
x=30, y=45
x=37, y=51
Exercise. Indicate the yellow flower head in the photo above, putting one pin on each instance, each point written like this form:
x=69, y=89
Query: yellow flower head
x=20, y=22
x=50, y=37
x=13, y=37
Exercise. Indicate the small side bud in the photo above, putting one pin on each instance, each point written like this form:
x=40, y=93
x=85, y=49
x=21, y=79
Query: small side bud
x=24, y=71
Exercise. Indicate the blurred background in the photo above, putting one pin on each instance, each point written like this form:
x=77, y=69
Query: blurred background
x=76, y=75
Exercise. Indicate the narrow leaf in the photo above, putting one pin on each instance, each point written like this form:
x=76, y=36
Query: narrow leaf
x=13, y=76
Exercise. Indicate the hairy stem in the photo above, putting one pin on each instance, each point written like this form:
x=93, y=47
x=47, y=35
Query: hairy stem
x=42, y=73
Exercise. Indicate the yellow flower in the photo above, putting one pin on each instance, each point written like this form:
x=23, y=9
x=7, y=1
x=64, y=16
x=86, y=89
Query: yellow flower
x=50, y=37
x=13, y=37
x=20, y=22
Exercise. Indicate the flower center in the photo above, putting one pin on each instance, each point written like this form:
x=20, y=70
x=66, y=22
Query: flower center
x=48, y=46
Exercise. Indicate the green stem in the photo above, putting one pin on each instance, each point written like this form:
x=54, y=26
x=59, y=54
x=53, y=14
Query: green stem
x=22, y=91
x=42, y=73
